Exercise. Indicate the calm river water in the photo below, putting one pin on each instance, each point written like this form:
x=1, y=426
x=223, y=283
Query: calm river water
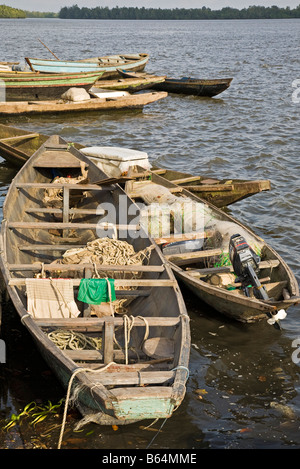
x=243, y=391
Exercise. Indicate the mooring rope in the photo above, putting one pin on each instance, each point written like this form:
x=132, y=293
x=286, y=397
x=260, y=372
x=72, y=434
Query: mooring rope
x=78, y=370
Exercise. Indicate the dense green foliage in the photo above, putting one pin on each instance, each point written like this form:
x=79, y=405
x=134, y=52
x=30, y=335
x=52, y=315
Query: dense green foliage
x=8, y=12
x=134, y=13
x=40, y=14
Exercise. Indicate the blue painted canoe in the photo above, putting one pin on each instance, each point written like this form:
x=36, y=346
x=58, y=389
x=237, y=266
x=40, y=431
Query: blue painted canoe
x=108, y=64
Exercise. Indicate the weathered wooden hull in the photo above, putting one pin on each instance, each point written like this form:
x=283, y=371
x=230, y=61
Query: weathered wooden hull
x=18, y=145
x=22, y=86
x=220, y=193
x=194, y=269
x=134, y=101
x=109, y=65
x=35, y=235
x=130, y=84
x=194, y=86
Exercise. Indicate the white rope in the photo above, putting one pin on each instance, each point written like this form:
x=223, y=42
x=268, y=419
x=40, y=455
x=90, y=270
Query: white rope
x=79, y=370
x=128, y=325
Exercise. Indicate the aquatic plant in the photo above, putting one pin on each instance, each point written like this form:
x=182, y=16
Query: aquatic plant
x=36, y=412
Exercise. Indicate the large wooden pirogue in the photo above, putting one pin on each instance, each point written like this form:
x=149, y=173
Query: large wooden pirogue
x=17, y=145
x=102, y=104
x=207, y=270
x=136, y=364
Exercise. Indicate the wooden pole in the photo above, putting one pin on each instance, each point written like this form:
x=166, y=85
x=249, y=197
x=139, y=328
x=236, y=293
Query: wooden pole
x=48, y=49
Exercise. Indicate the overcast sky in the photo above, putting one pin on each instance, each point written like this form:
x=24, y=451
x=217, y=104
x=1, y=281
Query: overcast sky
x=56, y=5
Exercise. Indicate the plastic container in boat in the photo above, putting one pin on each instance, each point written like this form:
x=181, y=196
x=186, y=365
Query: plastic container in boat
x=115, y=161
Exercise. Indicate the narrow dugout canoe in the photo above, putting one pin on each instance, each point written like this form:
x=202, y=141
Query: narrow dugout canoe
x=194, y=86
x=144, y=376
x=219, y=192
x=18, y=145
x=109, y=64
x=133, y=101
x=208, y=270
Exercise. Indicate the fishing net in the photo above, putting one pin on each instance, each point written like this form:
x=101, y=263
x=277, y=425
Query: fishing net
x=107, y=251
x=54, y=197
x=166, y=214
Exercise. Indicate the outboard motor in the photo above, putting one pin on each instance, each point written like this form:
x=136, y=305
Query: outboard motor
x=245, y=264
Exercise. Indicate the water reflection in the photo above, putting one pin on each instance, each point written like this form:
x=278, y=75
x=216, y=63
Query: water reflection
x=243, y=382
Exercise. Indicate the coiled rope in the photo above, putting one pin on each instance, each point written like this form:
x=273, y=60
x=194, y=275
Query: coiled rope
x=74, y=340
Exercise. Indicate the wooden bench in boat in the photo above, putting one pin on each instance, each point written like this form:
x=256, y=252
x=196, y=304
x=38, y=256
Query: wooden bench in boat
x=210, y=188
x=49, y=185
x=196, y=256
x=50, y=247
x=133, y=378
x=78, y=267
x=107, y=323
x=96, y=324
x=118, y=282
x=72, y=211
x=69, y=225
x=135, y=193
x=193, y=257
x=94, y=357
x=269, y=264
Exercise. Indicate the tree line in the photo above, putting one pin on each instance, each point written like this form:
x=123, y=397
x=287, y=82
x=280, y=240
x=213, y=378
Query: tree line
x=135, y=13
x=9, y=12
x=204, y=13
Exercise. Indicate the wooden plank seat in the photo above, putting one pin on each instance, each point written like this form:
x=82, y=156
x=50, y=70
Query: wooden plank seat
x=96, y=324
x=118, y=282
x=49, y=185
x=78, y=267
x=69, y=225
x=132, y=378
x=269, y=264
x=96, y=357
x=193, y=257
x=186, y=180
x=210, y=188
x=72, y=211
x=50, y=247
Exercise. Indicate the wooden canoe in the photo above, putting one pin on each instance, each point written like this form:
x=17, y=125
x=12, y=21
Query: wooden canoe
x=17, y=145
x=220, y=192
x=194, y=86
x=23, y=86
x=133, y=101
x=204, y=271
x=130, y=83
x=144, y=375
x=109, y=64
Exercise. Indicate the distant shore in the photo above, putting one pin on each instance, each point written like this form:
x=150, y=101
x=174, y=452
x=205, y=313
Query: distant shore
x=135, y=13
